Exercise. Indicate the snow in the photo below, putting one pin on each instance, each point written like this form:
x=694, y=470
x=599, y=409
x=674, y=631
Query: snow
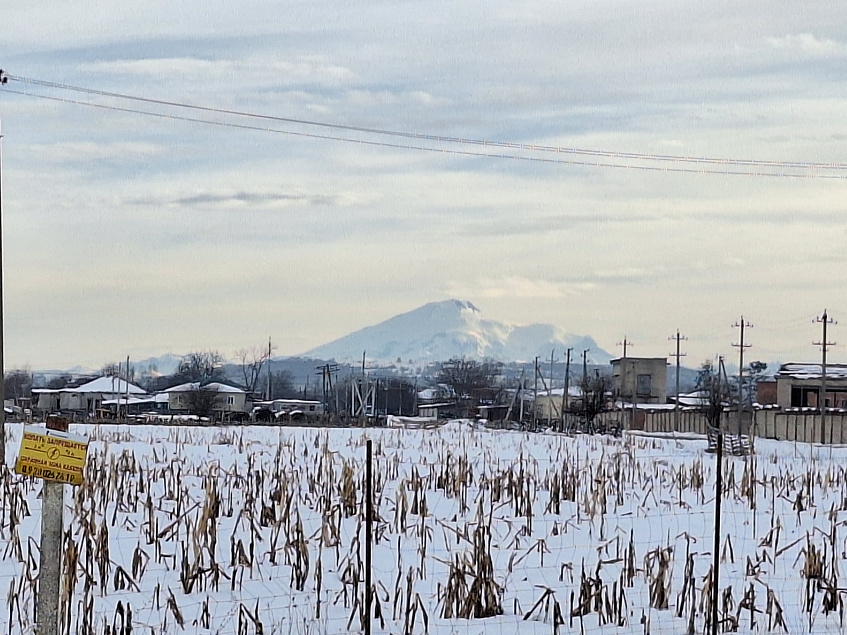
x=655, y=492
x=100, y=385
x=216, y=386
x=453, y=328
x=812, y=371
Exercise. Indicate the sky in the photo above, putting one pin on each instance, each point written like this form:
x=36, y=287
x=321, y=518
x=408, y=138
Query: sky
x=130, y=234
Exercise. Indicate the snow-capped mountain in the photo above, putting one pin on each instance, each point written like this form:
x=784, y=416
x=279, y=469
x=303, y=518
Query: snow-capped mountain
x=454, y=328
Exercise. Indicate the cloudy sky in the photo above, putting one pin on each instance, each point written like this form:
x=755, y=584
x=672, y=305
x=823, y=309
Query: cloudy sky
x=132, y=234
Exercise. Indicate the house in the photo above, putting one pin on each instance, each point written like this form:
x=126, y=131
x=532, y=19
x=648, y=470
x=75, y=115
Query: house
x=548, y=403
x=438, y=410
x=88, y=397
x=227, y=399
x=640, y=379
x=798, y=385
x=290, y=409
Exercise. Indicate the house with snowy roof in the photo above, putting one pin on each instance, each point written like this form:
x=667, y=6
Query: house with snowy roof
x=228, y=399
x=798, y=385
x=88, y=397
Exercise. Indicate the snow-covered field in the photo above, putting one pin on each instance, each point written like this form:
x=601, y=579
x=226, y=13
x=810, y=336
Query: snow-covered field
x=247, y=530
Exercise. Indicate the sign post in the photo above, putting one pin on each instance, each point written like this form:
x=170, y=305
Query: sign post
x=58, y=458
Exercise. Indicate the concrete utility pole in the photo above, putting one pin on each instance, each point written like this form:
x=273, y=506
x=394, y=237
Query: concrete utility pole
x=741, y=346
x=626, y=343
x=3, y=80
x=50, y=564
x=679, y=338
x=269, y=369
x=823, y=320
x=535, y=398
x=567, y=385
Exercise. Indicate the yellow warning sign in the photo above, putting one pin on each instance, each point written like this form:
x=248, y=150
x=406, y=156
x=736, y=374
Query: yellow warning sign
x=52, y=455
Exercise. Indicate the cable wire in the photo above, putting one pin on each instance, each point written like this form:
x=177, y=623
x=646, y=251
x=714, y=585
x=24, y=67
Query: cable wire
x=621, y=164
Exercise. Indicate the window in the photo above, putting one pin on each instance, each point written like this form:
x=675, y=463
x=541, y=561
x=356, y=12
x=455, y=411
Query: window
x=230, y=401
x=644, y=385
x=311, y=408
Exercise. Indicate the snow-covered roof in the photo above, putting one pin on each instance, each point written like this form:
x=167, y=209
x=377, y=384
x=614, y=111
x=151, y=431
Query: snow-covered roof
x=105, y=385
x=812, y=371
x=110, y=384
x=132, y=401
x=696, y=398
x=644, y=406
x=195, y=385
x=573, y=391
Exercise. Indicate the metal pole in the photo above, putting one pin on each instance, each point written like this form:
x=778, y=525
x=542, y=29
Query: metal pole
x=368, y=534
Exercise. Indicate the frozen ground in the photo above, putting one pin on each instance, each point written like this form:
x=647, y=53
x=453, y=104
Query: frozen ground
x=260, y=530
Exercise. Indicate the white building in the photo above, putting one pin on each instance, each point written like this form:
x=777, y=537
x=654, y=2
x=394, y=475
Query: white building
x=88, y=397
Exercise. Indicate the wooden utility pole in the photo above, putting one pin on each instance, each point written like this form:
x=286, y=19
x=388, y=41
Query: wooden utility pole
x=679, y=338
x=741, y=346
x=585, y=368
x=823, y=320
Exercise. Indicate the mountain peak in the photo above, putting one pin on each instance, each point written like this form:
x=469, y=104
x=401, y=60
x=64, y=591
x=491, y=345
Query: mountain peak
x=451, y=328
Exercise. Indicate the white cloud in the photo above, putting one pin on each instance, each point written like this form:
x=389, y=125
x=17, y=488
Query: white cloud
x=517, y=287
x=808, y=44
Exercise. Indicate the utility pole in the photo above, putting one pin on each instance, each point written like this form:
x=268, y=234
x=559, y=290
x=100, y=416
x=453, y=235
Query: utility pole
x=3, y=80
x=679, y=338
x=269, y=369
x=625, y=344
x=48, y=600
x=823, y=320
x=126, y=395
x=567, y=385
x=535, y=398
x=585, y=367
x=368, y=534
x=741, y=346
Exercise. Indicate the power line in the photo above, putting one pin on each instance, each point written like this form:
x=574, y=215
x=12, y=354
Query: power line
x=620, y=158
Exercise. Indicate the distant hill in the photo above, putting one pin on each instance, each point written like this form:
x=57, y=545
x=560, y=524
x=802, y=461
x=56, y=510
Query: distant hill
x=453, y=328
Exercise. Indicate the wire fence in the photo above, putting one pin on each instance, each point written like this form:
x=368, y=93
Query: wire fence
x=258, y=529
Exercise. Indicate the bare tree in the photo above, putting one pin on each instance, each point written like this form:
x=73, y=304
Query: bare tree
x=17, y=383
x=595, y=398
x=202, y=400
x=282, y=385
x=59, y=381
x=715, y=393
x=201, y=366
x=111, y=369
x=252, y=361
x=117, y=369
x=469, y=379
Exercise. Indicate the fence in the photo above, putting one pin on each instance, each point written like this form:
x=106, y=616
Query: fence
x=255, y=529
x=783, y=425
